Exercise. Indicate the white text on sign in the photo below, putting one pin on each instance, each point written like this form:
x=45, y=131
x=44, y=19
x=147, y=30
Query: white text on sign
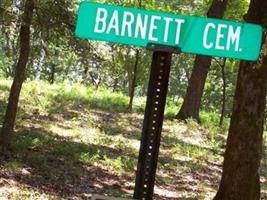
x=145, y=27
x=233, y=37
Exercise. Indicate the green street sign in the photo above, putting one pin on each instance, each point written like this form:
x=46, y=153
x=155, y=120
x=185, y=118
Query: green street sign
x=197, y=35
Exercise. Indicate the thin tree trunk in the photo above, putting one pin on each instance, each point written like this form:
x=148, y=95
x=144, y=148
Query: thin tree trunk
x=240, y=178
x=129, y=80
x=11, y=111
x=192, y=100
x=224, y=92
x=133, y=85
x=115, y=84
x=85, y=73
x=116, y=79
x=52, y=74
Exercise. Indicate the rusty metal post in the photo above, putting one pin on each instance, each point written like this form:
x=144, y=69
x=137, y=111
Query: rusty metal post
x=153, y=120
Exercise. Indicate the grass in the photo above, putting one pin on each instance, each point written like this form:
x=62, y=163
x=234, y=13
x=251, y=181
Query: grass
x=46, y=98
x=72, y=142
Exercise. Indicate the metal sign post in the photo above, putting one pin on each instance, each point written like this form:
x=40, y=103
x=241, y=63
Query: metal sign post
x=153, y=120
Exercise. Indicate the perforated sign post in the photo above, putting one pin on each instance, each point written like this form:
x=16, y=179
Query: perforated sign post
x=165, y=34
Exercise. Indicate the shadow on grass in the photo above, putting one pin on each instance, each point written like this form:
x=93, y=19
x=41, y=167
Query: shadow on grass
x=172, y=142
x=57, y=166
x=126, y=124
x=191, y=170
x=64, y=168
x=188, y=173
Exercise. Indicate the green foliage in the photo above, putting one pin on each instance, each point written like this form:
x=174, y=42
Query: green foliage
x=45, y=98
x=13, y=165
x=41, y=96
x=121, y=164
x=212, y=97
x=37, y=159
x=236, y=5
x=102, y=98
x=5, y=85
x=189, y=151
x=180, y=74
x=211, y=122
x=171, y=108
x=32, y=140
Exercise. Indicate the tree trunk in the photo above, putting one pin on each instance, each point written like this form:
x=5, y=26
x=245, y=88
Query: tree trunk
x=11, y=111
x=224, y=92
x=115, y=84
x=240, y=178
x=133, y=85
x=191, y=104
x=52, y=74
x=85, y=74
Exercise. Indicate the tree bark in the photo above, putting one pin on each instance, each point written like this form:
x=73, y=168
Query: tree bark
x=192, y=100
x=133, y=85
x=11, y=111
x=240, y=178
